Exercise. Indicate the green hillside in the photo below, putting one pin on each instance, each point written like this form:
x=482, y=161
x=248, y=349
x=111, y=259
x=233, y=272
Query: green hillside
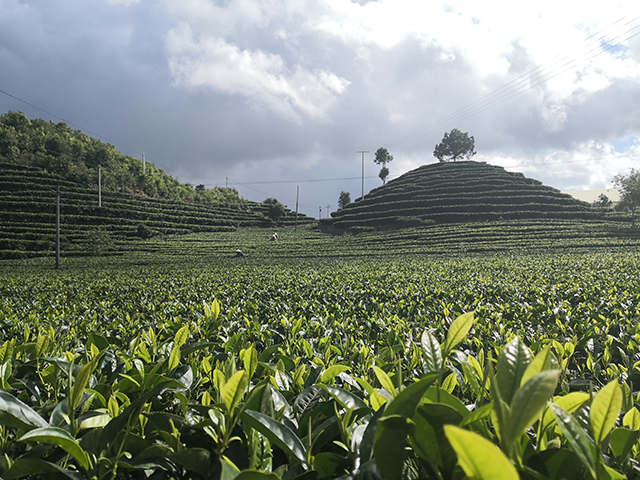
x=458, y=192
x=123, y=223
x=37, y=157
x=74, y=156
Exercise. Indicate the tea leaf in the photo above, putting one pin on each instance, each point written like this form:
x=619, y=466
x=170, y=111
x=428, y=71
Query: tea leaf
x=331, y=372
x=432, y=352
x=458, y=330
x=512, y=363
x=385, y=381
x=174, y=358
x=61, y=438
x=479, y=458
x=576, y=437
x=528, y=404
x=544, y=360
x=605, y=408
x=233, y=389
x=632, y=419
x=390, y=443
x=181, y=336
x=15, y=413
x=277, y=433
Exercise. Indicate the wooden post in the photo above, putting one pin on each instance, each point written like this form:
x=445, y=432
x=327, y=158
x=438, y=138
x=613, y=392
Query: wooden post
x=99, y=185
x=58, y=227
x=297, y=196
x=363, y=152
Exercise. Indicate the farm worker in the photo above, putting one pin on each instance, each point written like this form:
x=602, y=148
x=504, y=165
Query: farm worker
x=274, y=237
x=238, y=254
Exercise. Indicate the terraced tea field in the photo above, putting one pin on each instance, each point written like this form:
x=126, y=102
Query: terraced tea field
x=279, y=365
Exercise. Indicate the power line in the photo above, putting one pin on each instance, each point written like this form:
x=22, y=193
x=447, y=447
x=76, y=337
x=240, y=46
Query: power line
x=526, y=81
x=84, y=130
x=310, y=180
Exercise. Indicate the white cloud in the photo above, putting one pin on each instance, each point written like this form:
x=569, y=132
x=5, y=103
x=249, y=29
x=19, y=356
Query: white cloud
x=256, y=75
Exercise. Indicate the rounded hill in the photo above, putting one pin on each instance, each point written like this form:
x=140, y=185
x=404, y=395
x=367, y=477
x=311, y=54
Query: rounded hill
x=457, y=192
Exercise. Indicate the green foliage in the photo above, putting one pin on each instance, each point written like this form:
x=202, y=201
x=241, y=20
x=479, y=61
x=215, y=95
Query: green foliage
x=321, y=369
x=98, y=241
x=275, y=209
x=344, y=199
x=629, y=187
x=74, y=156
x=455, y=145
x=28, y=205
x=384, y=173
x=602, y=201
x=382, y=156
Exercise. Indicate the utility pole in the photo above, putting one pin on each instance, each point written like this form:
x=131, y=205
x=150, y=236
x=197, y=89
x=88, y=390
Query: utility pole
x=227, y=182
x=363, y=152
x=319, y=213
x=297, y=197
x=99, y=185
x=328, y=210
x=144, y=164
x=58, y=227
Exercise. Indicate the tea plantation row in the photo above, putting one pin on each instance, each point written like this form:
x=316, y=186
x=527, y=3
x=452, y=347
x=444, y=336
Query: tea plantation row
x=274, y=367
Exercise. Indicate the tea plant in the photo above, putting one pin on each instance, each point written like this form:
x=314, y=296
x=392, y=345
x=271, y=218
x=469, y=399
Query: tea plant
x=323, y=369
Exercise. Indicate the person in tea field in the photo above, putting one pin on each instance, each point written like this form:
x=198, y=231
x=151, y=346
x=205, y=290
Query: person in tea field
x=238, y=254
x=274, y=237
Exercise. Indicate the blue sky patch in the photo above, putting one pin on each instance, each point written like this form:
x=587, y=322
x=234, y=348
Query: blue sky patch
x=623, y=144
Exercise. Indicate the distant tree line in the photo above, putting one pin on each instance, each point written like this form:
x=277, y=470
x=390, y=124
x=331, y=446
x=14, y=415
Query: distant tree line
x=75, y=156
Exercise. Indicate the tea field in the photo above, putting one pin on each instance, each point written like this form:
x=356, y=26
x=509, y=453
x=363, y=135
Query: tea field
x=292, y=366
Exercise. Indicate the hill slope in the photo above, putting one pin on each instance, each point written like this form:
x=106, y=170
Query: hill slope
x=123, y=223
x=458, y=192
x=74, y=156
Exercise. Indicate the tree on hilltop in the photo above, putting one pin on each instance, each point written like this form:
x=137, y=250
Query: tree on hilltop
x=382, y=158
x=629, y=187
x=455, y=145
x=343, y=200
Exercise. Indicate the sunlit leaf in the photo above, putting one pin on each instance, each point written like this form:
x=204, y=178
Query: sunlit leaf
x=632, y=419
x=384, y=380
x=576, y=437
x=181, y=336
x=233, y=389
x=432, y=352
x=14, y=413
x=458, y=331
x=605, y=408
x=479, y=458
x=528, y=404
x=331, y=372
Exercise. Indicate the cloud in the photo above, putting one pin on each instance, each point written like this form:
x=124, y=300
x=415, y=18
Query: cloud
x=258, y=76
x=292, y=89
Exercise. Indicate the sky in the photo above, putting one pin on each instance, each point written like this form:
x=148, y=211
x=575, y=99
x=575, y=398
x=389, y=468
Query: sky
x=276, y=97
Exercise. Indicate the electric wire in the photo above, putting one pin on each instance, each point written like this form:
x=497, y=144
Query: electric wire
x=526, y=81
